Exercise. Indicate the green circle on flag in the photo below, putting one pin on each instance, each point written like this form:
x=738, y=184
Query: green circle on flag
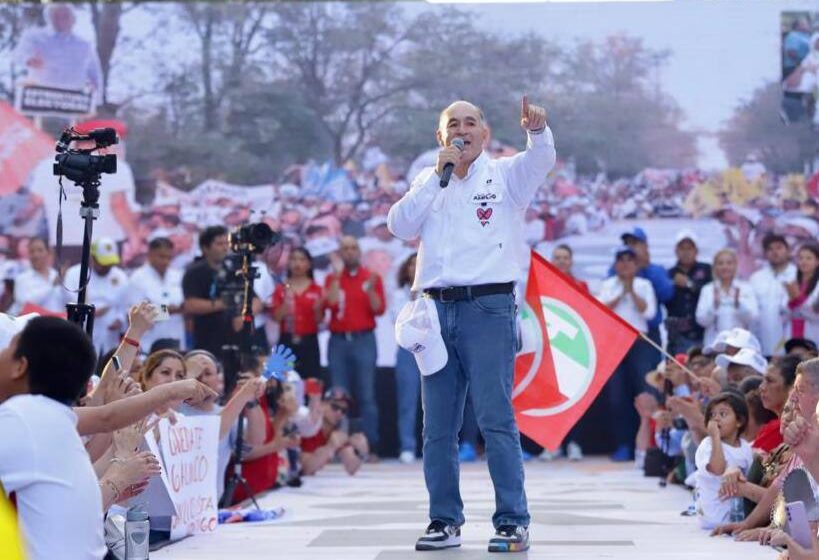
x=573, y=352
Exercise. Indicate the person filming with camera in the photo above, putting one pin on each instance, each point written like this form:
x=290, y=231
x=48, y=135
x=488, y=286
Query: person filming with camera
x=215, y=322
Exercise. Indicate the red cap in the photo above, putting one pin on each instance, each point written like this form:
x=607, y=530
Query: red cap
x=88, y=126
x=682, y=358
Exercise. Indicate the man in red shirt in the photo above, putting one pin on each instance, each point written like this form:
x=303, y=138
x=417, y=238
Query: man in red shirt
x=331, y=440
x=355, y=297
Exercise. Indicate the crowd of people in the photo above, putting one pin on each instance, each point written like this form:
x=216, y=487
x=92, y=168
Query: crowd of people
x=731, y=406
x=717, y=417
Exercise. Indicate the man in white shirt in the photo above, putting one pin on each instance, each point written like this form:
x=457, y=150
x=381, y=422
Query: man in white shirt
x=468, y=260
x=633, y=299
x=57, y=57
x=39, y=284
x=768, y=284
x=42, y=458
x=106, y=289
x=157, y=282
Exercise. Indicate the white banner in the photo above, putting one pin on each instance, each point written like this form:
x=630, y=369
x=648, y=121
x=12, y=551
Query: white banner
x=190, y=455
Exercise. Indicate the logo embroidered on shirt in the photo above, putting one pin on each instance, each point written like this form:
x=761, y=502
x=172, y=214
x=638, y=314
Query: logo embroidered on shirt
x=483, y=215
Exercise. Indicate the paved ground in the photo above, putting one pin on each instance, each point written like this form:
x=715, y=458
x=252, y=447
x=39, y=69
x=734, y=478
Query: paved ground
x=593, y=509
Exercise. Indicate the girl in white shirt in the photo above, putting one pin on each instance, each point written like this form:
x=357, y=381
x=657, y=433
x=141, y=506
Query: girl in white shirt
x=802, y=308
x=726, y=302
x=726, y=419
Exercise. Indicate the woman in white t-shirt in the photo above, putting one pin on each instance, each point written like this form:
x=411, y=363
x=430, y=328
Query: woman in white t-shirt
x=726, y=302
x=40, y=284
x=726, y=419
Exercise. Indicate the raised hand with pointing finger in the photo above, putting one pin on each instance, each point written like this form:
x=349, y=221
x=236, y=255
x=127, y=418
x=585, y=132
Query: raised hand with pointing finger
x=532, y=117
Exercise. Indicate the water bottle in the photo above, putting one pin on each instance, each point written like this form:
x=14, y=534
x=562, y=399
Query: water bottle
x=137, y=528
x=737, y=514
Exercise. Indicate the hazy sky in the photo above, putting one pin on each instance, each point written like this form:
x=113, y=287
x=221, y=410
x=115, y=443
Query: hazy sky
x=722, y=50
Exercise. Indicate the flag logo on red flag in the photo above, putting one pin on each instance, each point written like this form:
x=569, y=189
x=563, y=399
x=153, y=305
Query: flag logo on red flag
x=570, y=346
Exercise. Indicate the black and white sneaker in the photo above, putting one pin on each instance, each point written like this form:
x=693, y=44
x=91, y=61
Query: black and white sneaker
x=438, y=536
x=510, y=538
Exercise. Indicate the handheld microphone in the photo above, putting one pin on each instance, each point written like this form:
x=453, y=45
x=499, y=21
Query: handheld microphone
x=446, y=174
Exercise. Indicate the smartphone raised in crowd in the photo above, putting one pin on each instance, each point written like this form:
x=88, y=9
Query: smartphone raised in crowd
x=798, y=526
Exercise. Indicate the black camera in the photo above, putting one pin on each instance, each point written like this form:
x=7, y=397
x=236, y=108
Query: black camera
x=230, y=284
x=253, y=238
x=78, y=164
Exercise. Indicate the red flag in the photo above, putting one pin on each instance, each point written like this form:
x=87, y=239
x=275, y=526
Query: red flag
x=558, y=376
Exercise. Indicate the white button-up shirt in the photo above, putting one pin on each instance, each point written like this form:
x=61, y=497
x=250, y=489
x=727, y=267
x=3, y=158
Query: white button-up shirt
x=69, y=61
x=105, y=292
x=32, y=287
x=626, y=308
x=737, y=307
x=772, y=298
x=472, y=231
x=146, y=284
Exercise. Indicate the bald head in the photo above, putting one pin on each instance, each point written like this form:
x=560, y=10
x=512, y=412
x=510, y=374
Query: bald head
x=460, y=107
x=466, y=121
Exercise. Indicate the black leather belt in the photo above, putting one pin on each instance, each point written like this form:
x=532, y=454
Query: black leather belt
x=460, y=293
x=350, y=335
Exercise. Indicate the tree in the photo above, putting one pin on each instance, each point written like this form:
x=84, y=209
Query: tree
x=756, y=126
x=610, y=114
x=345, y=60
x=227, y=36
x=105, y=17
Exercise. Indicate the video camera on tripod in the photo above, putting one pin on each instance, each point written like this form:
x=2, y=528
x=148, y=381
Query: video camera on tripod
x=245, y=241
x=79, y=165
x=235, y=282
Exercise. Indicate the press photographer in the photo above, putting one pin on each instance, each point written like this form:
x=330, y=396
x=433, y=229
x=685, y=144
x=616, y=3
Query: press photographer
x=213, y=290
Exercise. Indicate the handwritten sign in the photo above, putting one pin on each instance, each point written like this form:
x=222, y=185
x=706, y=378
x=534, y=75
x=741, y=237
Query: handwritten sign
x=190, y=454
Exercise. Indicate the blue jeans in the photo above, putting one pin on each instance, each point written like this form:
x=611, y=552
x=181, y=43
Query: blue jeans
x=408, y=389
x=480, y=339
x=352, y=366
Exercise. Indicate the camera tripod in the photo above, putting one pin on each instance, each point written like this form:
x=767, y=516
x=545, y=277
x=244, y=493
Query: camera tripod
x=82, y=313
x=243, y=358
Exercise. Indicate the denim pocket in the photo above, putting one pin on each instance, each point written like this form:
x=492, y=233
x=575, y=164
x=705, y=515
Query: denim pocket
x=495, y=304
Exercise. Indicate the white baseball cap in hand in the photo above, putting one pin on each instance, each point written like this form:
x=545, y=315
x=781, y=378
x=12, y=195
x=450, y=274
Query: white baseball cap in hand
x=418, y=330
x=745, y=357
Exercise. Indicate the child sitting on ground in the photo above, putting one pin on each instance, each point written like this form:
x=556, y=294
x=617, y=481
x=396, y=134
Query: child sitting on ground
x=726, y=418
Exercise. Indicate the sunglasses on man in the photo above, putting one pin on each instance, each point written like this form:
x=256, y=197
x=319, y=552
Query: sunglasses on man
x=338, y=408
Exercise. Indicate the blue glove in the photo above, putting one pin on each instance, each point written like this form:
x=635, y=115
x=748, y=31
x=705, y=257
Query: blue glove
x=281, y=360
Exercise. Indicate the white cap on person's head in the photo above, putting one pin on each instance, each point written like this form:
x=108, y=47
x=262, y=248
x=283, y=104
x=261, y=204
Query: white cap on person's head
x=10, y=326
x=736, y=338
x=742, y=338
x=418, y=330
x=684, y=234
x=745, y=357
